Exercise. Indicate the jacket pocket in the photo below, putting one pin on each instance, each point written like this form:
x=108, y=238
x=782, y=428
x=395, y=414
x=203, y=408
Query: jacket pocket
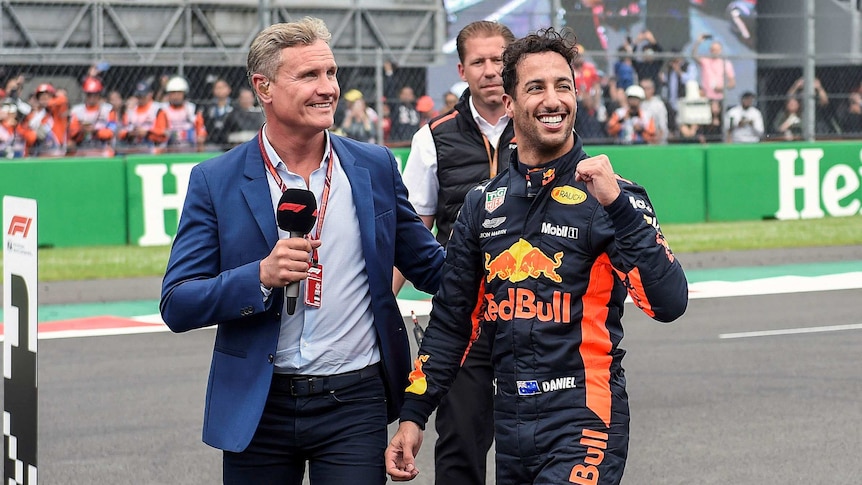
x=384, y=225
x=232, y=352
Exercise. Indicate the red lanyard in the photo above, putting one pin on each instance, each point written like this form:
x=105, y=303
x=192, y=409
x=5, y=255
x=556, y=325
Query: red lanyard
x=327, y=184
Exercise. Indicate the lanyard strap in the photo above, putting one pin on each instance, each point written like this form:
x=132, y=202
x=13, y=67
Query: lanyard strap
x=492, y=157
x=327, y=184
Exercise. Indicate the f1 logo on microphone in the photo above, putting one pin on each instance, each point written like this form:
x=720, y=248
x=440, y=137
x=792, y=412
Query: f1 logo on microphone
x=19, y=225
x=287, y=206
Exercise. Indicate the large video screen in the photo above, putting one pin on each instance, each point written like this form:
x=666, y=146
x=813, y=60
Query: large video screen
x=602, y=26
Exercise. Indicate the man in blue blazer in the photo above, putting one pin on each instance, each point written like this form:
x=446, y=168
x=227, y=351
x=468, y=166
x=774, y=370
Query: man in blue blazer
x=318, y=386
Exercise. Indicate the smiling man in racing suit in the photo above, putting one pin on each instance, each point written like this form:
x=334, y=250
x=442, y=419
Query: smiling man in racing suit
x=549, y=249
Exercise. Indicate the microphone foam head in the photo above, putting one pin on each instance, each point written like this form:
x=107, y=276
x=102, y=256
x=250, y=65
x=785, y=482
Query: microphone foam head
x=297, y=211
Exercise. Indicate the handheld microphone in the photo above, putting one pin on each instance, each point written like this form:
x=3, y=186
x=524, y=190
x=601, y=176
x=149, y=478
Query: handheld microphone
x=296, y=214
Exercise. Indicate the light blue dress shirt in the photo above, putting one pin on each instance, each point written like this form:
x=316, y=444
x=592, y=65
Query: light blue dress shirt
x=339, y=336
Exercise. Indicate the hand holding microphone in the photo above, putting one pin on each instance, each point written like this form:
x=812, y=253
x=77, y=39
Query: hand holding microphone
x=296, y=214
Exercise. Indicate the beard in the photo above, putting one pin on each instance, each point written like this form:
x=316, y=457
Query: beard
x=542, y=145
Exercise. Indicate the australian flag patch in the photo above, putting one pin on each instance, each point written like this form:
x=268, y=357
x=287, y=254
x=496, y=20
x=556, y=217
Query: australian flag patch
x=528, y=388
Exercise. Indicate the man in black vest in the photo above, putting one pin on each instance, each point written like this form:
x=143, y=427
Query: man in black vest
x=449, y=156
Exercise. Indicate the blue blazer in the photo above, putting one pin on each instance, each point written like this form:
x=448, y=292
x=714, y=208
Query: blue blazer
x=228, y=226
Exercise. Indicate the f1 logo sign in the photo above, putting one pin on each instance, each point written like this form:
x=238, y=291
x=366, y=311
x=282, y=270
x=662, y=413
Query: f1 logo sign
x=19, y=225
x=20, y=340
x=292, y=207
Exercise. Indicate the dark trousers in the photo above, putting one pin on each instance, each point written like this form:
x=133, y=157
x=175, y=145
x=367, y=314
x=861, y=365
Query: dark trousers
x=465, y=420
x=341, y=433
x=553, y=437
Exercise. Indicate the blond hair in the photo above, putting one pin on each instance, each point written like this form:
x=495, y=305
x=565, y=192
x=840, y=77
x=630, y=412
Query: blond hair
x=481, y=28
x=264, y=55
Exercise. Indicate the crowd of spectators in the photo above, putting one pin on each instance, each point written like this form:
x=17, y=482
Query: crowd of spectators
x=640, y=102
x=155, y=117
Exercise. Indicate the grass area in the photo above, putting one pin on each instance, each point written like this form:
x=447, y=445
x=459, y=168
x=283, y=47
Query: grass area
x=130, y=261
x=734, y=236
x=101, y=262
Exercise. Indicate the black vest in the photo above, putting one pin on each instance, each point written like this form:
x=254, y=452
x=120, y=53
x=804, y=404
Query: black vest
x=462, y=160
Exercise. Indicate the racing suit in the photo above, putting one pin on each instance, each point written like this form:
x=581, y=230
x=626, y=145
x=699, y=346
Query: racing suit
x=551, y=268
x=448, y=157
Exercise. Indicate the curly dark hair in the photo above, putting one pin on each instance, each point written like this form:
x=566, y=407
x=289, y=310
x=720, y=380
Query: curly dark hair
x=544, y=40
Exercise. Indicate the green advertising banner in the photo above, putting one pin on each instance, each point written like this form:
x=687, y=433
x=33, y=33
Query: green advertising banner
x=401, y=155
x=673, y=175
x=137, y=199
x=81, y=200
x=156, y=192
x=783, y=180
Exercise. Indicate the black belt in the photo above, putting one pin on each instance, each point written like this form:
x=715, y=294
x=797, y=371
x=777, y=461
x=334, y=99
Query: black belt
x=300, y=385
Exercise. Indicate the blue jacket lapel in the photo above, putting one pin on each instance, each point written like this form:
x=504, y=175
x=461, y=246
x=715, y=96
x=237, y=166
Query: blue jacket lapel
x=255, y=189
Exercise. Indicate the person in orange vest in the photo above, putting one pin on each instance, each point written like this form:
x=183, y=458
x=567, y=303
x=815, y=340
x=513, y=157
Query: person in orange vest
x=629, y=124
x=184, y=126
x=45, y=128
x=12, y=144
x=93, y=124
x=142, y=129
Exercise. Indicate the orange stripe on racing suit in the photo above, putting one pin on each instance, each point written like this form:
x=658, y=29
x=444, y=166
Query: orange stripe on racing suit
x=635, y=287
x=475, y=319
x=596, y=345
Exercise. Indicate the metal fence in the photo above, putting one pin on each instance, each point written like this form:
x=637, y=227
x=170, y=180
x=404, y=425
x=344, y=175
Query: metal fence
x=802, y=64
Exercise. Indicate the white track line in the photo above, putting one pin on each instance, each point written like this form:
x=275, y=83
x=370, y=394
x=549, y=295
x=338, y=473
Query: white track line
x=791, y=331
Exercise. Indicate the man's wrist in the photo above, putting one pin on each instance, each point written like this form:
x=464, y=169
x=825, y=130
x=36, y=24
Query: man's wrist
x=266, y=291
x=421, y=426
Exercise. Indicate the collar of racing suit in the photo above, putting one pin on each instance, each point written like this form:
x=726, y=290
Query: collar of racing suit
x=532, y=179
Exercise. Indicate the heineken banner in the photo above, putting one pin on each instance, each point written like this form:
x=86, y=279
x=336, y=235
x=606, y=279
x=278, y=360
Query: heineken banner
x=783, y=181
x=156, y=192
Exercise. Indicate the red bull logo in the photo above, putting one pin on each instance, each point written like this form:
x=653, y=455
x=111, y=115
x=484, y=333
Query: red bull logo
x=418, y=383
x=522, y=261
x=548, y=176
x=596, y=443
x=521, y=303
x=659, y=238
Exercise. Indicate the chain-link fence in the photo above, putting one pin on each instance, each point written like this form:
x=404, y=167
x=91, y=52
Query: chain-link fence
x=90, y=78
x=694, y=59
x=703, y=57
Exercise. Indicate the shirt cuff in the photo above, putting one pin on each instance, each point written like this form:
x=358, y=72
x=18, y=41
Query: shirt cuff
x=265, y=292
